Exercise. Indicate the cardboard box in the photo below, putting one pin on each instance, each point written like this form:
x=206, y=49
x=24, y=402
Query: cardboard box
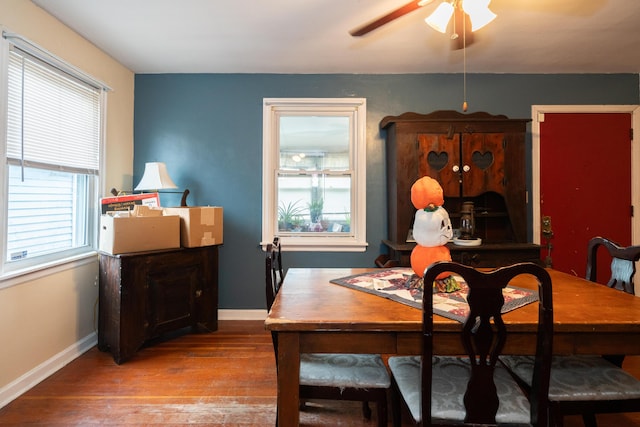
x=199, y=225
x=128, y=202
x=124, y=232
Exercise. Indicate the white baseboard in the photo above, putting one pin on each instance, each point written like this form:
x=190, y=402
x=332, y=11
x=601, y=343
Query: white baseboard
x=22, y=384
x=228, y=314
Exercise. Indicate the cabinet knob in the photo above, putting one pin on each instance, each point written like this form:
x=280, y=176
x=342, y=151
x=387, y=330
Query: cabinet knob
x=198, y=293
x=456, y=168
x=466, y=168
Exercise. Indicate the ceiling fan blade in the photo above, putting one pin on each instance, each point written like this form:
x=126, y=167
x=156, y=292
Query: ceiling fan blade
x=401, y=11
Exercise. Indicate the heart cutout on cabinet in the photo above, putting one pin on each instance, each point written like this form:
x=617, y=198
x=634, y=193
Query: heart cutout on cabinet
x=482, y=160
x=437, y=160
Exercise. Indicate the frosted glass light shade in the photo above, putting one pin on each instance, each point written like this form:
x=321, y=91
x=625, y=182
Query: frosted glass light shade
x=479, y=13
x=155, y=177
x=439, y=19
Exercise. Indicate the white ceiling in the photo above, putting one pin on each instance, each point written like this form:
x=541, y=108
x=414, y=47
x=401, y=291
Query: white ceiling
x=312, y=36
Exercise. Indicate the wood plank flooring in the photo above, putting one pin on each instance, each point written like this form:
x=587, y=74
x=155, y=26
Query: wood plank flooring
x=226, y=378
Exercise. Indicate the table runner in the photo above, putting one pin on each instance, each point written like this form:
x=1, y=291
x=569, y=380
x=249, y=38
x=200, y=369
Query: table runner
x=401, y=285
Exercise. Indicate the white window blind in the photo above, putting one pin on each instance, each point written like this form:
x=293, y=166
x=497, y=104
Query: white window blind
x=53, y=119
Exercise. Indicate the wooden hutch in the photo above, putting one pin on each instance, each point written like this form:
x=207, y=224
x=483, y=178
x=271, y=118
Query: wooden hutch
x=475, y=157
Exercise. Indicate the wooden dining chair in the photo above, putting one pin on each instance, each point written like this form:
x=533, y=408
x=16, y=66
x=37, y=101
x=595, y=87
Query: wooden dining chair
x=274, y=272
x=588, y=385
x=352, y=377
x=621, y=271
x=623, y=267
x=474, y=389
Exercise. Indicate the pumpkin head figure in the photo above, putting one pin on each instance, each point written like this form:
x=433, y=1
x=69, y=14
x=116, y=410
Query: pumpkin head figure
x=426, y=193
x=431, y=226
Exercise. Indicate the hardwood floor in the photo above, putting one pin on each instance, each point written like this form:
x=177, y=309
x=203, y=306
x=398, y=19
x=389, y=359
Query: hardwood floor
x=226, y=378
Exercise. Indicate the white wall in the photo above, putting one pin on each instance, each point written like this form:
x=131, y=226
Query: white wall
x=47, y=319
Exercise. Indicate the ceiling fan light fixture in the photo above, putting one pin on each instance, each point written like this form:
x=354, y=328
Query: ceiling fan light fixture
x=439, y=19
x=479, y=13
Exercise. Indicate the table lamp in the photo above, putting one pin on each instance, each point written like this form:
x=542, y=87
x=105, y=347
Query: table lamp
x=156, y=177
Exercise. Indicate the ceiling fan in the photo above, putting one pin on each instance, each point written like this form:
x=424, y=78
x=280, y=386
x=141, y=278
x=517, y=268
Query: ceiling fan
x=468, y=16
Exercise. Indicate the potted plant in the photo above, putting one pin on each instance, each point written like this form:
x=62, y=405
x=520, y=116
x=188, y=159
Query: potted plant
x=287, y=214
x=315, y=210
x=297, y=223
x=347, y=222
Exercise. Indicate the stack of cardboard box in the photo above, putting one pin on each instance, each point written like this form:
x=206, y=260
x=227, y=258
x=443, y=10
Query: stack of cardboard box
x=146, y=228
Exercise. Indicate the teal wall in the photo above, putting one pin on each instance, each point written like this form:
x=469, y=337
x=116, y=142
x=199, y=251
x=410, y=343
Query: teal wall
x=207, y=128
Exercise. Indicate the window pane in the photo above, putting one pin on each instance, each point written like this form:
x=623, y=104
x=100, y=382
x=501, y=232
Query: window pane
x=314, y=203
x=47, y=212
x=314, y=142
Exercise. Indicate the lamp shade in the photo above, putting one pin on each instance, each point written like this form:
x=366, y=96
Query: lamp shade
x=479, y=13
x=439, y=19
x=155, y=177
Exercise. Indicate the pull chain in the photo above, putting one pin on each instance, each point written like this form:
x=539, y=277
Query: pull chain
x=464, y=61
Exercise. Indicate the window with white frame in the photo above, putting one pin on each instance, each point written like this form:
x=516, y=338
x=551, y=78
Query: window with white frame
x=314, y=173
x=52, y=130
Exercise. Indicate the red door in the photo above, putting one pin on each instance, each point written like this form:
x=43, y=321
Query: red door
x=585, y=184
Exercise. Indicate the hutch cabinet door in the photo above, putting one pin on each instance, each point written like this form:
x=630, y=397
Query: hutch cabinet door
x=438, y=156
x=482, y=166
x=466, y=169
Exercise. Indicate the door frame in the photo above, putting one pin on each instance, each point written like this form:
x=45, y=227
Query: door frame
x=537, y=115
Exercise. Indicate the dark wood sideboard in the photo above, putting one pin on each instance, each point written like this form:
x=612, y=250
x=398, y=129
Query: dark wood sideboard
x=144, y=295
x=485, y=255
x=476, y=157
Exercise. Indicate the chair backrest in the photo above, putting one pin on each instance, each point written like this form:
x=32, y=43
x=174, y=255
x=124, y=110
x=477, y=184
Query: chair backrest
x=273, y=271
x=273, y=281
x=623, y=266
x=484, y=335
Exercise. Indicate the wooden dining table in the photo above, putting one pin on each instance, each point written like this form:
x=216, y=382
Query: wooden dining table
x=313, y=315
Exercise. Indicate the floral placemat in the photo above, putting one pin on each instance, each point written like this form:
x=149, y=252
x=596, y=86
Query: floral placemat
x=403, y=286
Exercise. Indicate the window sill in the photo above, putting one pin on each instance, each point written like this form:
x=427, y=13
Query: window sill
x=29, y=274
x=296, y=244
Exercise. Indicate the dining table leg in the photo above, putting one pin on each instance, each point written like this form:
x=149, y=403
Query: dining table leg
x=288, y=379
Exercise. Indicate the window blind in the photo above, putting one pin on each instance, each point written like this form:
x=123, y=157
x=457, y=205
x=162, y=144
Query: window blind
x=53, y=118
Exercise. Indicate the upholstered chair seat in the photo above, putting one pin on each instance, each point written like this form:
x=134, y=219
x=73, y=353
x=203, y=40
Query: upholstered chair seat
x=580, y=378
x=449, y=384
x=363, y=371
